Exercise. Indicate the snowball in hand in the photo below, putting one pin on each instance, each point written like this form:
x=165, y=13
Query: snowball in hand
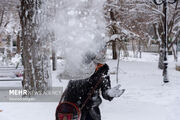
x=115, y=91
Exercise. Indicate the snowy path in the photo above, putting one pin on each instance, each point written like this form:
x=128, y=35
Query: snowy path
x=133, y=110
x=146, y=98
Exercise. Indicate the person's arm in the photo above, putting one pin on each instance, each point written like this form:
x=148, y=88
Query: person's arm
x=106, y=85
x=109, y=93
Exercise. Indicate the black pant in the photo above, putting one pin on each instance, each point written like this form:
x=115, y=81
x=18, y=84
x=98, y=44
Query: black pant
x=91, y=114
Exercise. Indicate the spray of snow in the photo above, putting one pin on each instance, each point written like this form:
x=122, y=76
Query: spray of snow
x=79, y=28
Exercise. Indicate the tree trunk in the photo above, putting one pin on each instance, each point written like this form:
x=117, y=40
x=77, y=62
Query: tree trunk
x=161, y=54
x=161, y=60
x=1, y=19
x=114, y=51
x=18, y=44
x=9, y=48
x=133, y=48
x=34, y=57
x=139, y=49
x=174, y=52
x=54, y=60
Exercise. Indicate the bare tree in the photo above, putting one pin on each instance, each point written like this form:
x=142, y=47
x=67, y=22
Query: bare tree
x=9, y=25
x=1, y=17
x=140, y=16
x=125, y=21
x=173, y=27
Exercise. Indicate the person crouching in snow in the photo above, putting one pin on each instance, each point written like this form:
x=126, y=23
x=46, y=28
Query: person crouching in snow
x=85, y=93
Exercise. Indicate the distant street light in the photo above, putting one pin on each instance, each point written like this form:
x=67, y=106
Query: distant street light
x=165, y=2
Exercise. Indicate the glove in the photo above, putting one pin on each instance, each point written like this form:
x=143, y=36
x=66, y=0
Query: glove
x=115, y=91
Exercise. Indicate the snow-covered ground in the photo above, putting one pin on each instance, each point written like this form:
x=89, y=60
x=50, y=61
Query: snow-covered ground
x=145, y=98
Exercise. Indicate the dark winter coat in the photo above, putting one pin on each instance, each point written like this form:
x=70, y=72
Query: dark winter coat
x=77, y=92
